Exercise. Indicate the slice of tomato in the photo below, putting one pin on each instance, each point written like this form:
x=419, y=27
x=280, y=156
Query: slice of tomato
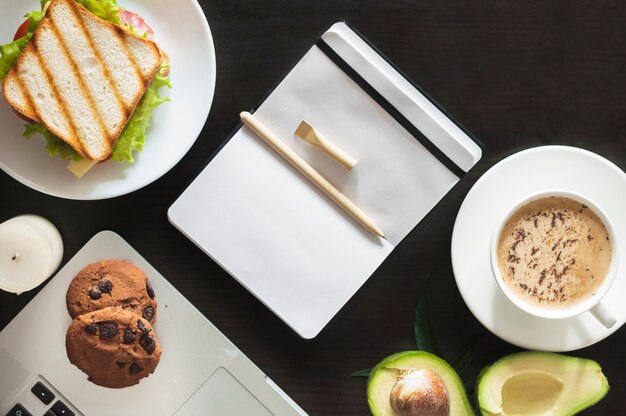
x=21, y=31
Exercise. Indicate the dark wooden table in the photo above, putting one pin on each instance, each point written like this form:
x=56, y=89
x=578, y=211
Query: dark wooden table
x=516, y=74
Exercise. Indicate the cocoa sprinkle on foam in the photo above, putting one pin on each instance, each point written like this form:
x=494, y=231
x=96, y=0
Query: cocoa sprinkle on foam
x=570, y=235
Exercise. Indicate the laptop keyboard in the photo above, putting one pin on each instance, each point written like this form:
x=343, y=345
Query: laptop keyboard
x=40, y=398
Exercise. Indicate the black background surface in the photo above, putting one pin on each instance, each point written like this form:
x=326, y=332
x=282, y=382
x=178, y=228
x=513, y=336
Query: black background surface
x=516, y=74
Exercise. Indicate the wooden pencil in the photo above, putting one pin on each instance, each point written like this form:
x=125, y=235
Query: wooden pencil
x=311, y=174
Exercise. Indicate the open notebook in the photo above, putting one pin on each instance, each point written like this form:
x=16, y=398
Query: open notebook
x=276, y=233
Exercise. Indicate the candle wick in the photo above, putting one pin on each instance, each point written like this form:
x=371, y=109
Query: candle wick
x=15, y=256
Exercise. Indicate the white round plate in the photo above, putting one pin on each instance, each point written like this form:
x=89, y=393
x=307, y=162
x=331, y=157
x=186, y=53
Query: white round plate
x=502, y=186
x=182, y=31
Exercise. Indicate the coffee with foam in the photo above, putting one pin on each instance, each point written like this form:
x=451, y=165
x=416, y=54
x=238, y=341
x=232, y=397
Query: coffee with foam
x=554, y=252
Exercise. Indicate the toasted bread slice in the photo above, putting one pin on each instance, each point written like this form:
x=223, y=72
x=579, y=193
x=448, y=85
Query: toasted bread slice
x=81, y=77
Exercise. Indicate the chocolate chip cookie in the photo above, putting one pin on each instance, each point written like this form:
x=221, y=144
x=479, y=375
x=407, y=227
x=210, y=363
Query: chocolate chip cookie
x=115, y=347
x=111, y=283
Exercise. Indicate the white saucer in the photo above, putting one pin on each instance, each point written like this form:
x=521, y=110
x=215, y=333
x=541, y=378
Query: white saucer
x=503, y=185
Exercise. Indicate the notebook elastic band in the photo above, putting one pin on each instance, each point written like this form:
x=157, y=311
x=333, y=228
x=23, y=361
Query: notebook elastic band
x=387, y=106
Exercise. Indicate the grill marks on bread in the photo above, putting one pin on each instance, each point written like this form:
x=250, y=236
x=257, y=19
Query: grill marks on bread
x=55, y=108
x=105, y=72
x=109, y=40
x=71, y=88
x=92, y=83
x=81, y=77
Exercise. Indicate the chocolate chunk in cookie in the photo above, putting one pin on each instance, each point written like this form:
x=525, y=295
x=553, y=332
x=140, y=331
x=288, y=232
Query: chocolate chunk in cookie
x=144, y=329
x=148, y=314
x=108, y=330
x=134, y=369
x=105, y=286
x=147, y=343
x=91, y=329
x=129, y=336
x=95, y=293
x=149, y=289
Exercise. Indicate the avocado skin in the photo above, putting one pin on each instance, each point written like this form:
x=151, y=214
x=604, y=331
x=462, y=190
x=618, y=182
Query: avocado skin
x=378, y=383
x=485, y=373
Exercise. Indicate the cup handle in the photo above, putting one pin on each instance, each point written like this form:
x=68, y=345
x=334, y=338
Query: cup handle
x=602, y=314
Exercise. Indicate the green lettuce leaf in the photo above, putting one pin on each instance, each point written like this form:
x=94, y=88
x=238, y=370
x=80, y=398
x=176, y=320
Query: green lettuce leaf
x=34, y=18
x=10, y=52
x=104, y=9
x=55, y=146
x=134, y=134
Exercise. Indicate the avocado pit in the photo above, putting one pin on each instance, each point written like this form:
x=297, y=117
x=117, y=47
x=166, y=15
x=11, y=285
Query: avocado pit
x=420, y=393
x=416, y=383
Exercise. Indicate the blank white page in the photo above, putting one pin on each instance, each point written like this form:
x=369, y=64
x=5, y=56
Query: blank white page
x=279, y=236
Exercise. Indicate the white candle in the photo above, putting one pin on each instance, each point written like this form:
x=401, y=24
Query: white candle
x=31, y=249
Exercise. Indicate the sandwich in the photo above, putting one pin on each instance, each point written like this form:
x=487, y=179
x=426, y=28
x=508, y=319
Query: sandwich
x=86, y=75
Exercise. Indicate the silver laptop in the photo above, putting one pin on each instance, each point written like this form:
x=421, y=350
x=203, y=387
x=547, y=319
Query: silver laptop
x=200, y=373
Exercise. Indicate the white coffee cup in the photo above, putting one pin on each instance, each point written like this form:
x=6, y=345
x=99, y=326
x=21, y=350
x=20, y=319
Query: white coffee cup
x=593, y=303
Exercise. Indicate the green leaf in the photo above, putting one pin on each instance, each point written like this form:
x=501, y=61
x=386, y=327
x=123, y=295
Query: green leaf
x=362, y=373
x=134, y=134
x=425, y=336
x=10, y=52
x=34, y=18
x=469, y=350
x=54, y=146
x=104, y=9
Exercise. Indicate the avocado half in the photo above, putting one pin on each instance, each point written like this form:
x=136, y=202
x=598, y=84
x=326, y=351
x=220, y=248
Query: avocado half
x=385, y=375
x=540, y=383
